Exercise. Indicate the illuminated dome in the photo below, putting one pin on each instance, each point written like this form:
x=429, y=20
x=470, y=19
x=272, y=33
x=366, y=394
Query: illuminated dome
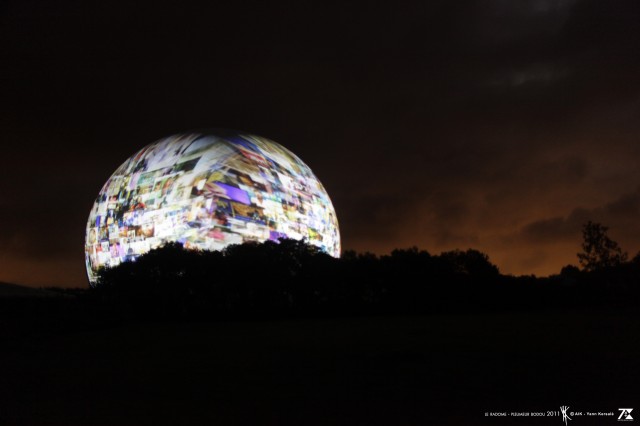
x=206, y=191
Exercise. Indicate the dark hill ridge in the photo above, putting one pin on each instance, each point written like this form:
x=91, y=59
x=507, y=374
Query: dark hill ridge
x=16, y=290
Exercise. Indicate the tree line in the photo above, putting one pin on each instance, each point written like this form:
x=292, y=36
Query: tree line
x=293, y=278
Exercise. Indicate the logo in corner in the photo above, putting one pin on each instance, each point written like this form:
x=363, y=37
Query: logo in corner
x=625, y=415
x=565, y=417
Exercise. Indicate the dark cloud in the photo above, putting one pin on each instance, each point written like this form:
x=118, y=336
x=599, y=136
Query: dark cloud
x=374, y=216
x=556, y=229
x=618, y=215
x=47, y=230
x=625, y=207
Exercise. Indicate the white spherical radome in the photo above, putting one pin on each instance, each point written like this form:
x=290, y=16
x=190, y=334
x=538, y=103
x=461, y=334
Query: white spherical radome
x=206, y=191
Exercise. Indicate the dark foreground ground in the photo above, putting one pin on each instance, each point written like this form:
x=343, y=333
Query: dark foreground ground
x=438, y=369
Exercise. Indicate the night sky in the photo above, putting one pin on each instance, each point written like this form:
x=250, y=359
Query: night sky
x=498, y=125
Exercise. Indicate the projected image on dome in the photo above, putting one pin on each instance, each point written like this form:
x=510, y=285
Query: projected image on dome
x=207, y=191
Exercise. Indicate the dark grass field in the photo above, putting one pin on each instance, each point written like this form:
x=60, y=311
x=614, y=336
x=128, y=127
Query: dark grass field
x=423, y=370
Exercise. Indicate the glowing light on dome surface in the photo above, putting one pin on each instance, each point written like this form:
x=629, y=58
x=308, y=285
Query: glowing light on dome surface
x=207, y=191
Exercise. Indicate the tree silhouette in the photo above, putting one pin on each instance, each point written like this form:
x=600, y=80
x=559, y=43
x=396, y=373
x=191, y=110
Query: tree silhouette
x=598, y=250
x=471, y=262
